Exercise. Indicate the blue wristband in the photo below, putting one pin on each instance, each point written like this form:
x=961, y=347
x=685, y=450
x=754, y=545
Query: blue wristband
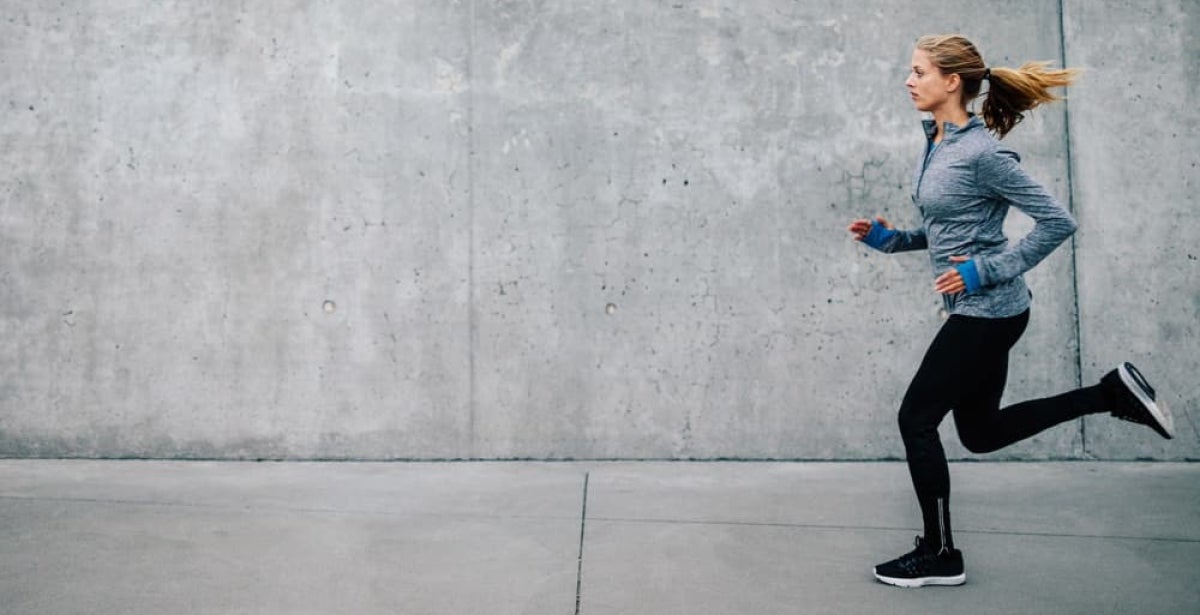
x=970, y=275
x=878, y=236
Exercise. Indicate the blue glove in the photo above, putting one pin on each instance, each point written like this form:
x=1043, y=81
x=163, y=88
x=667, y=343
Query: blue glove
x=878, y=236
x=970, y=275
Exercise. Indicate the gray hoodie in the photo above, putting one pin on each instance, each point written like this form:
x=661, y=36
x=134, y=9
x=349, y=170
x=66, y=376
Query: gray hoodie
x=963, y=189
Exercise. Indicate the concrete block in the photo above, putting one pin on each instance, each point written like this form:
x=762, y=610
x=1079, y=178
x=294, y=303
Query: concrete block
x=1136, y=152
x=662, y=267
x=132, y=537
x=235, y=232
x=721, y=538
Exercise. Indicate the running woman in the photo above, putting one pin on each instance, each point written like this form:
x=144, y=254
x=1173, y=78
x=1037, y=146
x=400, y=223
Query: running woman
x=963, y=187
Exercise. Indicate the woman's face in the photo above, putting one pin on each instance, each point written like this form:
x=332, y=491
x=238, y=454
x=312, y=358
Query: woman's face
x=927, y=86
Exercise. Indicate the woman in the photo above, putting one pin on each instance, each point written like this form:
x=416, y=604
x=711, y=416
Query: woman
x=963, y=188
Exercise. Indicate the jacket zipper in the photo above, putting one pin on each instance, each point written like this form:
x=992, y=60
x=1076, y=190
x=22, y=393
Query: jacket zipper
x=929, y=154
x=948, y=301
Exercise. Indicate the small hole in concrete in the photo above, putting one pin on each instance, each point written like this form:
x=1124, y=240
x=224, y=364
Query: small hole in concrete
x=329, y=307
x=610, y=309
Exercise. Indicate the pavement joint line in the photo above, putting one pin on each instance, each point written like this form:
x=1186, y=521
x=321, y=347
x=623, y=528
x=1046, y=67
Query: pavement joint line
x=879, y=528
x=284, y=509
x=582, y=529
x=583, y=519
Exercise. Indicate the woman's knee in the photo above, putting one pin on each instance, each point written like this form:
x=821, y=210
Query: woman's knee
x=913, y=423
x=976, y=442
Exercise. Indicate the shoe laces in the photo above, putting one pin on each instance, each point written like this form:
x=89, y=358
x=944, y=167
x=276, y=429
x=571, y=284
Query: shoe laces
x=919, y=558
x=1132, y=417
x=1132, y=410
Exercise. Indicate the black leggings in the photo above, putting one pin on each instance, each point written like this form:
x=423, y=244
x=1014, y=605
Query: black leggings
x=964, y=372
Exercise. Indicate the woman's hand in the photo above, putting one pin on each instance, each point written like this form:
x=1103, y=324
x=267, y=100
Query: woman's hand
x=951, y=282
x=860, y=227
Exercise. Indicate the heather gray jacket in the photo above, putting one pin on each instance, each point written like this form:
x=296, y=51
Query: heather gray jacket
x=963, y=190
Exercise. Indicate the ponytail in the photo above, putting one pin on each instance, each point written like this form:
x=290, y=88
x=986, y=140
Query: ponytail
x=1012, y=92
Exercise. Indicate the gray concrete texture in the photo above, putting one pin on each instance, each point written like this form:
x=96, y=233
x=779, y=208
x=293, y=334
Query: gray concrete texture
x=470, y=229
x=142, y=537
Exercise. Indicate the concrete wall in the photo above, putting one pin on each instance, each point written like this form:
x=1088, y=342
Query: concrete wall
x=540, y=229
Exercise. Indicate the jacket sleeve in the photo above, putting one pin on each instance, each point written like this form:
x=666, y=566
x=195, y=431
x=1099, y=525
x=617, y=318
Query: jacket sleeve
x=999, y=173
x=907, y=241
x=890, y=240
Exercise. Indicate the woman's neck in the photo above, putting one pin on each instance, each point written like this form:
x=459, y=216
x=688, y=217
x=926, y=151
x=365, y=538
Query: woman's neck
x=953, y=114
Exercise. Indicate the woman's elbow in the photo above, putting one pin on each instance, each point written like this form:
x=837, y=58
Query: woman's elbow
x=1065, y=226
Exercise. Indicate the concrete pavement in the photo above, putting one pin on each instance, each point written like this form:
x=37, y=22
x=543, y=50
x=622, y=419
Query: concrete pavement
x=586, y=537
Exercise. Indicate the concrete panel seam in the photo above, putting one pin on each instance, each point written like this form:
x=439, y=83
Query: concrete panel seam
x=472, y=320
x=1062, y=50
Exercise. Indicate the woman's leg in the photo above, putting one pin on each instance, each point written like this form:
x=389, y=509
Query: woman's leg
x=967, y=359
x=983, y=427
x=965, y=371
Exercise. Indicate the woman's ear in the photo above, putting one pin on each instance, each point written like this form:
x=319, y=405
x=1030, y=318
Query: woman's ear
x=953, y=82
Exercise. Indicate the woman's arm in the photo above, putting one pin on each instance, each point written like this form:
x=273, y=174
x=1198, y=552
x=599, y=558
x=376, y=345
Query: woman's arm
x=1001, y=174
x=880, y=235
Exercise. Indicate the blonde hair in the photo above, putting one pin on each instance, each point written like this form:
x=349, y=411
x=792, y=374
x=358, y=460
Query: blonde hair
x=1011, y=91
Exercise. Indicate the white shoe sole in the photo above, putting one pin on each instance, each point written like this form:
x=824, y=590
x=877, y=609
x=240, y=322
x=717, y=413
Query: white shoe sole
x=923, y=581
x=1160, y=413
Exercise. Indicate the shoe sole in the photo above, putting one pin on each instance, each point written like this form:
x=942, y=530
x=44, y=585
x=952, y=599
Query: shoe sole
x=923, y=581
x=1166, y=426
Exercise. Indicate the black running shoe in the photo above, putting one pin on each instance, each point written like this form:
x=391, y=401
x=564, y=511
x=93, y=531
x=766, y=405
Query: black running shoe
x=925, y=565
x=1134, y=400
